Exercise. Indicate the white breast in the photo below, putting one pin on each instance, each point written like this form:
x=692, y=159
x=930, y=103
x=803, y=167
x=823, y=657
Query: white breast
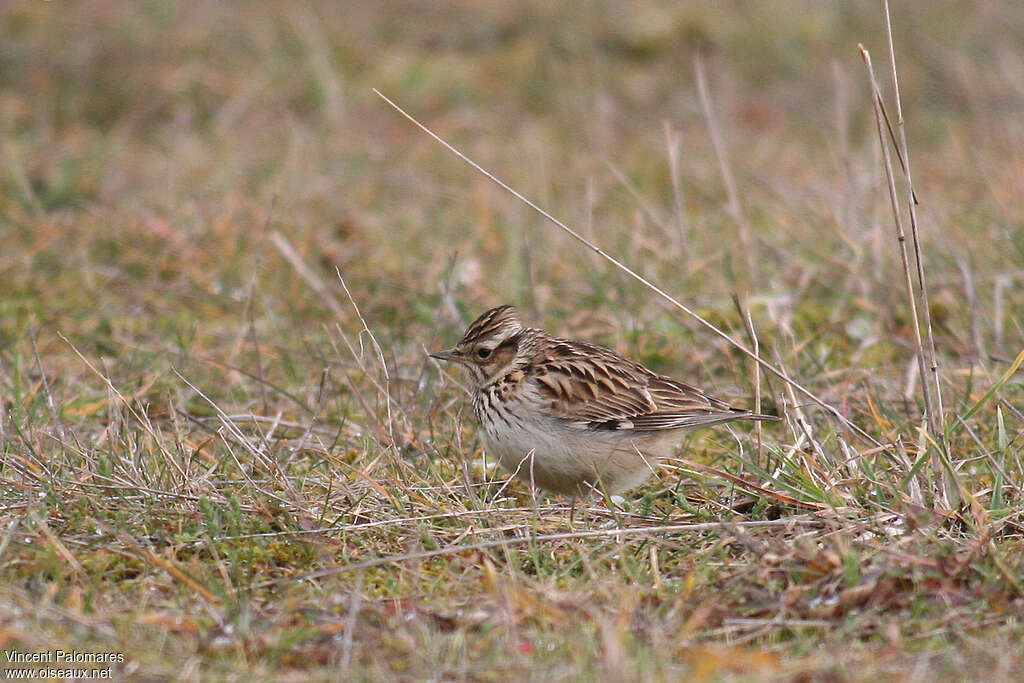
x=550, y=454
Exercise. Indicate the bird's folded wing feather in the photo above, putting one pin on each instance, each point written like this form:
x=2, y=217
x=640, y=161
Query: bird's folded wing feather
x=595, y=387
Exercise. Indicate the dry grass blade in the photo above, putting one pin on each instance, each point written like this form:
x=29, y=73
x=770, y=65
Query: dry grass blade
x=936, y=416
x=941, y=494
x=755, y=344
x=748, y=485
x=733, y=206
x=380, y=356
x=170, y=568
x=618, y=532
x=288, y=251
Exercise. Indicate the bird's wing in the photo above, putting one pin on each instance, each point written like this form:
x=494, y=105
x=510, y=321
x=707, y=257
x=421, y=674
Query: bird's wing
x=597, y=388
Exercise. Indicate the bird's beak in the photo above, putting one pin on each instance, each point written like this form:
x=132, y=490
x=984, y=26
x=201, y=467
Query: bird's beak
x=447, y=354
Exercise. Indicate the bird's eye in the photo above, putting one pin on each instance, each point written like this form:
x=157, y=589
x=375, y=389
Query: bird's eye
x=483, y=354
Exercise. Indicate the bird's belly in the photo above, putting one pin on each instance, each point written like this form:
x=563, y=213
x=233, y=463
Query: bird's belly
x=549, y=454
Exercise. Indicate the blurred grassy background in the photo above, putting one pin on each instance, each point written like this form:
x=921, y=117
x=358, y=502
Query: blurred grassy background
x=153, y=150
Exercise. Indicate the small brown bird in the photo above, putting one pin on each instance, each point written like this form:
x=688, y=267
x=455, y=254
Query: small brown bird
x=569, y=416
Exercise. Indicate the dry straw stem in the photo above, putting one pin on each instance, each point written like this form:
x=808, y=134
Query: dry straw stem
x=935, y=418
x=285, y=248
x=934, y=422
x=733, y=207
x=618, y=533
x=59, y=426
x=755, y=344
x=636, y=276
x=380, y=356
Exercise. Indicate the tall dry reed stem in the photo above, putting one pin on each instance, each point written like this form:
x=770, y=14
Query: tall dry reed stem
x=931, y=406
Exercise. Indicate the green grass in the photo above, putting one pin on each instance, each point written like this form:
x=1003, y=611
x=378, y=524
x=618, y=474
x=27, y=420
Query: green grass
x=205, y=468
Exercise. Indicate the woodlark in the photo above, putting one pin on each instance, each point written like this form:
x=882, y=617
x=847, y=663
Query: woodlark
x=569, y=416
